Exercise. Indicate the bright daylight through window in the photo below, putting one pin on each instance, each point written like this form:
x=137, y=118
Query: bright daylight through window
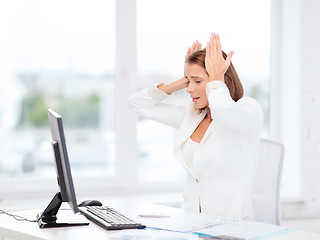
x=59, y=55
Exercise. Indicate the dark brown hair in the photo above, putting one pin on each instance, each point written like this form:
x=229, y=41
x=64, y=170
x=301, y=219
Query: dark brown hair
x=231, y=77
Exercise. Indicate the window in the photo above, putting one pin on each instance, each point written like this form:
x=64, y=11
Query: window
x=59, y=55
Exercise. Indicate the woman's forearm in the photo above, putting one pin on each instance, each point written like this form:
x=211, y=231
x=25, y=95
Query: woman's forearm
x=174, y=86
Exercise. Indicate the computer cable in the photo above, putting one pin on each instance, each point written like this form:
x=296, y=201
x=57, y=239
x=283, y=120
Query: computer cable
x=17, y=217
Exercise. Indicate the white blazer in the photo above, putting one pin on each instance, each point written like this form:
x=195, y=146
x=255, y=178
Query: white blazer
x=221, y=179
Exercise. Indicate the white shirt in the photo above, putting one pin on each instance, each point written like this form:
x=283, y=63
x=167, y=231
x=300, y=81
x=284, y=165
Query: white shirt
x=189, y=148
x=221, y=179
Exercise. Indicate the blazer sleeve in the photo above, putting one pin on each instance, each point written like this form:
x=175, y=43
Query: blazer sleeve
x=245, y=115
x=148, y=103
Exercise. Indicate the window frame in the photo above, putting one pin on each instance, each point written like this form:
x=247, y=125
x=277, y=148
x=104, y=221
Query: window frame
x=125, y=179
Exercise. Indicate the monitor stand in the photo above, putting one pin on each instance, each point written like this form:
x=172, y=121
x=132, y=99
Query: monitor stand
x=48, y=218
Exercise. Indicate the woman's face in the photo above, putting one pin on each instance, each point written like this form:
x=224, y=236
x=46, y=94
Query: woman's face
x=197, y=78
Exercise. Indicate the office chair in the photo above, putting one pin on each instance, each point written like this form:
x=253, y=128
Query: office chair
x=265, y=197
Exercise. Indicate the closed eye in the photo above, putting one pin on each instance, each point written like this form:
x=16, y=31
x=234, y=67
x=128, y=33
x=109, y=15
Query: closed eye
x=188, y=81
x=196, y=79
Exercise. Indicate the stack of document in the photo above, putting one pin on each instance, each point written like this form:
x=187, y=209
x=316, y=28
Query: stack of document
x=246, y=230
x=186, y=223
x=203, y=225
x=150, y=234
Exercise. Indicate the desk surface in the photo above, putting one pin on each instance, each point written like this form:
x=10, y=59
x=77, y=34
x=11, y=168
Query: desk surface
x=10, y=228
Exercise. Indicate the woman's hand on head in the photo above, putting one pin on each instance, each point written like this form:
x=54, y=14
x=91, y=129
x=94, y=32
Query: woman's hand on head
x=196, y=46
x=216, y=65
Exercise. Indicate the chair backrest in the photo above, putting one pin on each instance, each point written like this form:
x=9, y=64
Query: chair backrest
x=267, y=182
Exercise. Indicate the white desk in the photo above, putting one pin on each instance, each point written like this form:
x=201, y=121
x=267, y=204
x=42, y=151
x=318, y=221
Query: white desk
x=12, y=229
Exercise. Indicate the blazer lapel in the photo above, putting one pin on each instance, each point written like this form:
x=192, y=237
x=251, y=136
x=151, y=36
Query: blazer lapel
x=187, y=128
x=207, y=133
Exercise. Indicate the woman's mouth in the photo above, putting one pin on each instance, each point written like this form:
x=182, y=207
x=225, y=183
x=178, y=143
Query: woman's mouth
x=195, y=99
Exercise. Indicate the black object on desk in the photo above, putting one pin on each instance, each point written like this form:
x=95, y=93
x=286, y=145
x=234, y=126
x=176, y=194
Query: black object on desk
x=48, y=218
x=90, y=202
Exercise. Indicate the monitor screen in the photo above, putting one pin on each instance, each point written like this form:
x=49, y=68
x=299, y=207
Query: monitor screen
x=61, y=160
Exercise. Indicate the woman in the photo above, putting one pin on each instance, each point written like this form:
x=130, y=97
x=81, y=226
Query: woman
x=219, y=133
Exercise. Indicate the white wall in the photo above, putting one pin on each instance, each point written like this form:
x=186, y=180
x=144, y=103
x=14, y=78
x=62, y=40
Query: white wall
x=310, y=102
x=297, y=101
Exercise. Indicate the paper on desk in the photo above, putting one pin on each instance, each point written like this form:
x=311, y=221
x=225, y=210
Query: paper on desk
x=149, y=234
x=183, y=222
x=244, y=229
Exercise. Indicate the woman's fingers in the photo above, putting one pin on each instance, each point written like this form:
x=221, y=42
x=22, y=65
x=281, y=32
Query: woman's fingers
x=229, y=56
x=196, y=43
x=193, y=47
x=217, y=43
x=208, y=49
x=216, y=65
x=196, y=46
x=212, y=43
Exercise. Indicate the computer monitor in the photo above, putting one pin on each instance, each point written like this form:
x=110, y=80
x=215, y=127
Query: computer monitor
x=61, y=160
x=48, y=217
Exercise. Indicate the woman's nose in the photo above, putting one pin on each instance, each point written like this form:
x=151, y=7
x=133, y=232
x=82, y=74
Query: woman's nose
x=189, y=88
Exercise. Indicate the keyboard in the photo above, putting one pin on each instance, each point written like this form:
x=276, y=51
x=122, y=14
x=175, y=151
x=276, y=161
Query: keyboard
x=110, y=219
